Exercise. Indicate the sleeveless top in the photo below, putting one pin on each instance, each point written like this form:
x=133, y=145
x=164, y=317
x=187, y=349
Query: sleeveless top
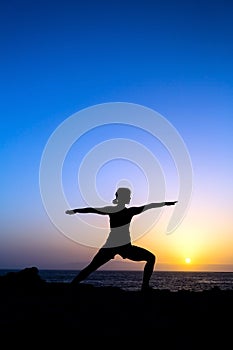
x=119, y=224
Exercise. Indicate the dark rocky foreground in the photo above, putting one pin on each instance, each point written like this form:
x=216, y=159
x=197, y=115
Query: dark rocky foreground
x=31, y=306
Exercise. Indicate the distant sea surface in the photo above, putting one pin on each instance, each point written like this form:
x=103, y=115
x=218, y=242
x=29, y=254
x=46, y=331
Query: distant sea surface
x=131, y=280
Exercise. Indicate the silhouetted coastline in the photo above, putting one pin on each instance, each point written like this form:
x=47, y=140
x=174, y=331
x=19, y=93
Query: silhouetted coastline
x=29, y=303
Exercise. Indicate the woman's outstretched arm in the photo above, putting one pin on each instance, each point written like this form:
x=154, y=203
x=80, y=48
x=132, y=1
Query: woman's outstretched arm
x=100, y=211
x=138, y=210
x=157, y=205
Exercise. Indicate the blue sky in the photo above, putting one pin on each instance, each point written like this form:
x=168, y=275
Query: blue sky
x=59, y=57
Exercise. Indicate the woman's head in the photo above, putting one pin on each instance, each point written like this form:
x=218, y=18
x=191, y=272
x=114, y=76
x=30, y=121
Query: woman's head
x=123, y=196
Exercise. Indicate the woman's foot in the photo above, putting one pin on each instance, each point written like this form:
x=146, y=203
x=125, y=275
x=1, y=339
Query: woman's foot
x=146, y=288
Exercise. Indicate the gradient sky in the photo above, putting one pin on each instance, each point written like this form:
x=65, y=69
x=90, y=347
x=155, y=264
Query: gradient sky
x=59, y=57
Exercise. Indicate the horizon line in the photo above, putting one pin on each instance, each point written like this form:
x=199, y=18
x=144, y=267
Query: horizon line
x=187, y=268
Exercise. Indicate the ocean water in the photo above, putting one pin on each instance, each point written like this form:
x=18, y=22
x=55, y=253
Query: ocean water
x=131, y=280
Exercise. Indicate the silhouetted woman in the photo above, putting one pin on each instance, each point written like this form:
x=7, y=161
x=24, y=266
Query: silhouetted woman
x=119, y=241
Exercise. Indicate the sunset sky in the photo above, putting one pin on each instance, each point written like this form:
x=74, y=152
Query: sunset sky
x=59, y=58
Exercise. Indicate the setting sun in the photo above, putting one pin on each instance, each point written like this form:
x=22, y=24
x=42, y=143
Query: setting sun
x=187, y=260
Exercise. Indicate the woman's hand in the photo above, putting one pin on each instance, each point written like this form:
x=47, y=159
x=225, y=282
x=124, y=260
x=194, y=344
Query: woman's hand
x=69, y=212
